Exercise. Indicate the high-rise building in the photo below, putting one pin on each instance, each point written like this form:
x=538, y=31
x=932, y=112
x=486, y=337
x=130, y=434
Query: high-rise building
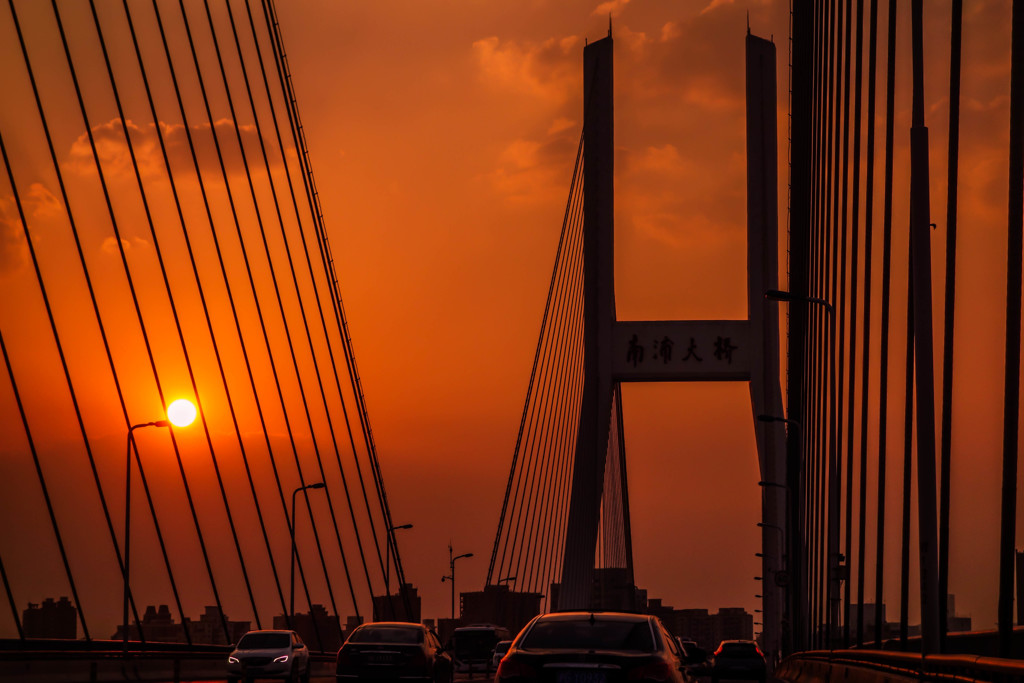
x=405, y=605
x=319, y=630
x=50, y=620
x=496, y=604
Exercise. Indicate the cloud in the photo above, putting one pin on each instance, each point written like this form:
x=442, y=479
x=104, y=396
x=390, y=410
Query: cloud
x=116, y=157
x=670, y=31
x=13, y=248
x=612, y=7
x=560, y=124
x=542, y=70
x=109, y=245
x=532, y=171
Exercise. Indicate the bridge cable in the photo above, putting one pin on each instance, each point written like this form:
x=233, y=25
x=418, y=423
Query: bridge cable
x=946, y=427
x=323, y=324
x=138, y=311
x=883, y=392
x=568, y=412
x=266, y=247
x=323, y=243
x=245, y=257
x=548, y=395
x=533, y=375
x=166, y=281
x=908, y=455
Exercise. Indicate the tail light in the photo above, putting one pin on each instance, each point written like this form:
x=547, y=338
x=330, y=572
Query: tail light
x=655, y=670
x=418, y=658
x=510, y=667
x=344, y=658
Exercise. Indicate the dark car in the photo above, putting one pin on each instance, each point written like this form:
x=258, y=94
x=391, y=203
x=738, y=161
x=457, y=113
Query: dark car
x=393, y=650
x=696, y=657
x=269, y=654
x=593, y=647
x=738, y=659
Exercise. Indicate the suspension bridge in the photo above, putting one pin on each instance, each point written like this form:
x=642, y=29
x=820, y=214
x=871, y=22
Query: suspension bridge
x=162, y=237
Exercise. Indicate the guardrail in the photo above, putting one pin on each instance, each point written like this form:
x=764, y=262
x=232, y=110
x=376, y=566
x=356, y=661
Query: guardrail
x=867, y=666
x=31, y=661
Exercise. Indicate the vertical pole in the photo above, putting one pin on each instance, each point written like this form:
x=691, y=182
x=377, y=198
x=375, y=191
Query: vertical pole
x=1011, y=397
x=127, y=538
x=799, y=230
x=920, y=246
x=599, y=316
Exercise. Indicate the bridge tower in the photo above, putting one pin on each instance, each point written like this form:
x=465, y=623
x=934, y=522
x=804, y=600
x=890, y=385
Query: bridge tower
x=729, y=350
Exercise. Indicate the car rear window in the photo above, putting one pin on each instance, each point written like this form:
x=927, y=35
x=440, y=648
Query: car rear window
x=740, y=649
x=586, y=634
x=387, y=634
x=264, y=641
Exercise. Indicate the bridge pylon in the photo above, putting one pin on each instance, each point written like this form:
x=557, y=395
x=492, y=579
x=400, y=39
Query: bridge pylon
x=707, y=350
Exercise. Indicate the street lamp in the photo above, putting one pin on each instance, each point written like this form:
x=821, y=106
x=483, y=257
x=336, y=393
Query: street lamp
x=782, y=295
x=507, y=579
x=291, y=529
x=180, y=413
x=451, y=575
x=387, y=553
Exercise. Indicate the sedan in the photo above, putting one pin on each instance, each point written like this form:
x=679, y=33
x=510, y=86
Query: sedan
x=738, y=659
x=393, y=650
x=269, y=654
x=593, y=647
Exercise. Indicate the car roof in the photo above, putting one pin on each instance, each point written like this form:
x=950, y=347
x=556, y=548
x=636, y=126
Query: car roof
x=596, y=616
x=270, y=630
x=394, y=624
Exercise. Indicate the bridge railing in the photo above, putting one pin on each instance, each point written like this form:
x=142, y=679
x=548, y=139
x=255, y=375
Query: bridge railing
x=870, y=665
x=34, y=661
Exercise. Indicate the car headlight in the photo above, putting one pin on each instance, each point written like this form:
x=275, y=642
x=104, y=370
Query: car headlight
x=282, y=658
x=232, y=659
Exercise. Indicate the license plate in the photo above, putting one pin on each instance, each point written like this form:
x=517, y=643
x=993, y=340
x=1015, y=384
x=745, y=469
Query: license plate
x=380, y=658
x=581, y=676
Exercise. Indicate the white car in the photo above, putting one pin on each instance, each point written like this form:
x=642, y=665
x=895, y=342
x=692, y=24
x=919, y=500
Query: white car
x=269, y=654
x=499, y=651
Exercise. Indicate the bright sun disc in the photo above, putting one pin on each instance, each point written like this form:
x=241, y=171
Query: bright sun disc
x=181, y=413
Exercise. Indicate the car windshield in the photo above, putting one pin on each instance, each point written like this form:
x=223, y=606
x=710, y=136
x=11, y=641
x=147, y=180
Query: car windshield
x=264, y=641
x=387, y=634
x=590, y=634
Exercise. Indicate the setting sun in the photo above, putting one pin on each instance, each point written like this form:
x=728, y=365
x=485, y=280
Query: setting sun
x=181, y=413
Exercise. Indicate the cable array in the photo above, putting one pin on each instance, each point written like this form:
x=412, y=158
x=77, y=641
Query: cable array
x=843, y=392
x=163, y=236
x=531, y=527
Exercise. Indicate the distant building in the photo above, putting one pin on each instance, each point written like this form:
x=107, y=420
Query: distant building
x=405, y=605
x=319, y=630
x=209, y=629
x=50, y=620
x=873, y=614
x=351, y=624
x=612, y=591
x=159, y=626
x=496, y=604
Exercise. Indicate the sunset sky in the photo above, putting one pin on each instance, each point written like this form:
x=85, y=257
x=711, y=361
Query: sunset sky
x=442, y=138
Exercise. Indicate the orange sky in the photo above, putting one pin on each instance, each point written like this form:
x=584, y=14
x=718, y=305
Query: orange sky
x=442, y=138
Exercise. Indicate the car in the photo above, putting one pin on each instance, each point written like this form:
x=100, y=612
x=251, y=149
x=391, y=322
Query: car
x=738, y=659
x=472, y=646
x=269, y=654
x=393, y=650
x=593, y=647
x=696, y=657
x=499, y=651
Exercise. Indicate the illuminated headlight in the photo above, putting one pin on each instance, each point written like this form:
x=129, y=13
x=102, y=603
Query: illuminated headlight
x=232, y=659
x=282, y=658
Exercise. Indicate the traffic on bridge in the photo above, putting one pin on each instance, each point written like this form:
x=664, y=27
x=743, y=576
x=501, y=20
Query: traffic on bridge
x=775, y=246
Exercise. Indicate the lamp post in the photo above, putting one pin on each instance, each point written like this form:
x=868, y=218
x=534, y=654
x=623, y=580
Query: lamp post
x=451, y=575
x=387, y=562
x=291, y=529
x=797, y=594
x=180, y=413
